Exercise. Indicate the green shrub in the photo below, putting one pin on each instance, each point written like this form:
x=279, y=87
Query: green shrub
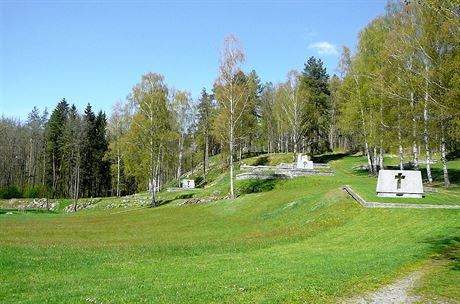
x=34, y=192
x=10, y=192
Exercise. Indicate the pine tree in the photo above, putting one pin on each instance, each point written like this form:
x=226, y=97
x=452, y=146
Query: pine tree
x=55, y=146
x=315, y=83
x=205, y=113
x=88, y=155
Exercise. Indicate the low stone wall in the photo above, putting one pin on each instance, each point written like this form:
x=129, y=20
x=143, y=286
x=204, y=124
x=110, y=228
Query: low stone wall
x=257, y=168
x=82, y=205
x=318, y=165
x=201, y=200
x=180, y=189
x=305, y=172
x=283, y=174
x=244, y=176
x=38, y=204
x=283, y=166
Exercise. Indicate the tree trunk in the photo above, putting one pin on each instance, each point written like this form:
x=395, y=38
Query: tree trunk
x=295, y=146
x=76, y=188
x=363, y=124
x=443, y=154
x=381, y=137
x=206, y=155
x=118, y=171
x=232, y=194
x=426, y=135
x=151, y=177
x=401, y=151
x=414, y=131
x=179, y=164
x=374, y=163
x=53, y=189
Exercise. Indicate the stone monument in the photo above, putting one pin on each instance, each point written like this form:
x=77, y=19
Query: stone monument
x=188, y=184
x=400, y=183
x=303, y=162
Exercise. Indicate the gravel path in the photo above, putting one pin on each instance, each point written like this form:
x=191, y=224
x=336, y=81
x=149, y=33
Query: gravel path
x=398, y=292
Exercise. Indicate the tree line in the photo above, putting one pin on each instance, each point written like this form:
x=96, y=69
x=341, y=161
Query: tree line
x=398, y=93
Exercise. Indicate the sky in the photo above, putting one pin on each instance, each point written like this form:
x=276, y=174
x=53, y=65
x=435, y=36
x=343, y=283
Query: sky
x=96, y=51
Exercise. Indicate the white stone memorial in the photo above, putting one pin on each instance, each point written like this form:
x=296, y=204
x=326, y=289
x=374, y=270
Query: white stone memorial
x=188, y=184
x=400, y=183
x=303, y=162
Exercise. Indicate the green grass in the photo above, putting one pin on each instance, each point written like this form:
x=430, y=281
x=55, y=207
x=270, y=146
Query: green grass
x=366, y=185
x=296, y=241
x=440, y=284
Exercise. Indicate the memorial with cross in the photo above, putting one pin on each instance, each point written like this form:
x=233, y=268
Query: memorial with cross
x=390, y=183
x=399, y=177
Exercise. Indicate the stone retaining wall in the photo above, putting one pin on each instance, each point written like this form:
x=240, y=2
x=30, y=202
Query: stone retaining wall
x=244, y=176
x=283, y=166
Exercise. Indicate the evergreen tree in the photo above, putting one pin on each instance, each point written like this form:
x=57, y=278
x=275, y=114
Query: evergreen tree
x=205, y=112
x=102, y=165
x=55, y=146
x=314, y=86
x=88, y=155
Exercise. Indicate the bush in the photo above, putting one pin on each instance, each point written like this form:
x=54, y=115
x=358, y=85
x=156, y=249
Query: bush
x=33, y=192
x=10, y=192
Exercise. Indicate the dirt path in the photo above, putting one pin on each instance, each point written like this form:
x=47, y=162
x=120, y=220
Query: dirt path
x=398, y=292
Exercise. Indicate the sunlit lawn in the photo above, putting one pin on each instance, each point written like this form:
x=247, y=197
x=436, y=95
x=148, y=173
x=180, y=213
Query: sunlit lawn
x=303, y=241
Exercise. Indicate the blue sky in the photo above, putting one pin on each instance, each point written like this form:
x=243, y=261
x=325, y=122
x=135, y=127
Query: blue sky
x=96, y=51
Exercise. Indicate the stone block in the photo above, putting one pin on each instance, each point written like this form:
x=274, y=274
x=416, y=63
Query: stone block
x=400, y=183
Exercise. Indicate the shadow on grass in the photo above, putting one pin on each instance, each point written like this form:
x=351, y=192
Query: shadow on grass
x=329, y=157
x=189, y=195
x=453, y=155
x=448, y=248
x=261, y=161
x=438, y=175
x=256, y=185
x=361, y=172
x=251, y=154
x=163, y=202
x=33, y=211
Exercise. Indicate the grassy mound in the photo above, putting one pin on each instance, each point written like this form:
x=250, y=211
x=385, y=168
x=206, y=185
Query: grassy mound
x=295, y=241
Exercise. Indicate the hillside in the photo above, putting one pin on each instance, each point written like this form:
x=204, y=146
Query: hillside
x=291, y=241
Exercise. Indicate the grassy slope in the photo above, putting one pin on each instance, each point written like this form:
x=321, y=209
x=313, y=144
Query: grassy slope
x=305, y=240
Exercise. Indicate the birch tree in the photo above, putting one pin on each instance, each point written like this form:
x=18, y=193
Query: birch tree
x=181, y=106
x=117, y=127
x=231, y=95
x=149, y=124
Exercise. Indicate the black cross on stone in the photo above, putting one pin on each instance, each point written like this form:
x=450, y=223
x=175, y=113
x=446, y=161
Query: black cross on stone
x=399, y=177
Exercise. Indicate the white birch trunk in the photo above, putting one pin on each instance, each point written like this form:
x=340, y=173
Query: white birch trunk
x=401, y=151
x=232, y=194
x=118, y=170
x=425, y=133
x=443, y=154
x=179, y=164
x=414, y=131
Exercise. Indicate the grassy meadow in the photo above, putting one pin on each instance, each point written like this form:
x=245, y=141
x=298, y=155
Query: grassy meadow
x=292, y=241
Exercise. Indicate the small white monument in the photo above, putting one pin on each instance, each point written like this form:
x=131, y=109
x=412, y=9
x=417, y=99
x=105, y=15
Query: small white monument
x=188, y=184
x=400, y=183
x=303, y=162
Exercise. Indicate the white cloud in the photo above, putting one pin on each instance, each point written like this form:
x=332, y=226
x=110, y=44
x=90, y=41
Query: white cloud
x=324, y=48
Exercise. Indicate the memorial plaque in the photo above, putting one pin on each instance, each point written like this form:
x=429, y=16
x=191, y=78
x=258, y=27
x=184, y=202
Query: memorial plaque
x=400, y=183
x=303, y=162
